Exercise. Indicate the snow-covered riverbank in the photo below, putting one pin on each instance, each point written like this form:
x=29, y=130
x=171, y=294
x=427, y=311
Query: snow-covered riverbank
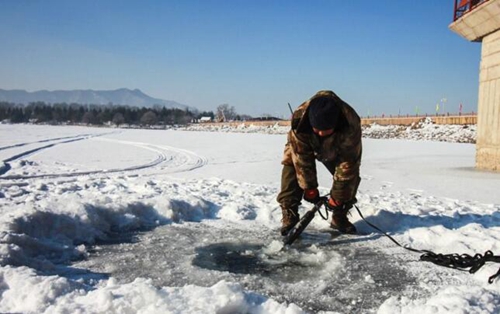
x=423, y=130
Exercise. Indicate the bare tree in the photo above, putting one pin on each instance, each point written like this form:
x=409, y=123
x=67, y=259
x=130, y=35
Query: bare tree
x=225, y=113
x=149, y=118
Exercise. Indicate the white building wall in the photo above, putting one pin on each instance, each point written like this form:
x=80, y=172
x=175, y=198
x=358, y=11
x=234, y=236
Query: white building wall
x=488, y=126
x=482, y=24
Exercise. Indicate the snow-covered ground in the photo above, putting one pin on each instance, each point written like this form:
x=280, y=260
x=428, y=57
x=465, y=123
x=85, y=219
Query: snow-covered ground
x=97, y=220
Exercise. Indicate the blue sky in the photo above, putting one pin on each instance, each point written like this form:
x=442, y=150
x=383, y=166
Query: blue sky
x=382, y=57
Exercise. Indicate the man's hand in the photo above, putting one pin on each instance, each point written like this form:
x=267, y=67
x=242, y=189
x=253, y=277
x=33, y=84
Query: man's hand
x=312, y=196
x=335, y=205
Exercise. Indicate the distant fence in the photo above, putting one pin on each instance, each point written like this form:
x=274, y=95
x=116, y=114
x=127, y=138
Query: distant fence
x=408, y=120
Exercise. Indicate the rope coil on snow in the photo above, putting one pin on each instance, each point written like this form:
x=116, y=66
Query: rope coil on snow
x=463, y=261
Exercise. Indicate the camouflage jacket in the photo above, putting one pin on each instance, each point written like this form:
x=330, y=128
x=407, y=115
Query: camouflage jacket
x=339, y=152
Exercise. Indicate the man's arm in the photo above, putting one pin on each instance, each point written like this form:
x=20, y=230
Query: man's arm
x=346, y=177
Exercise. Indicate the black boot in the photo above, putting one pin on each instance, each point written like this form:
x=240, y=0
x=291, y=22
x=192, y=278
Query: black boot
x=289, y=220
x=342, y=223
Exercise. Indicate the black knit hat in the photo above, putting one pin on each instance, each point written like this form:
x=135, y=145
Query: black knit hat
x=323, y=113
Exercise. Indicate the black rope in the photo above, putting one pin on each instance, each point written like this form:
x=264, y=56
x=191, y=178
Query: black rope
x=455, y=261
x=322, y=202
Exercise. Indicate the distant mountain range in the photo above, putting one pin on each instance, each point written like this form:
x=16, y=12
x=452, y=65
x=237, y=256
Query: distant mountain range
x=122, y=96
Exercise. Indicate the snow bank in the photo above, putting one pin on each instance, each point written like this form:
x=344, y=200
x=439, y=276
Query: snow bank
x=239, y=128
x=54, y=222
x=23, y=291
x=47, y=230
x=462, y=299
x=423, y=130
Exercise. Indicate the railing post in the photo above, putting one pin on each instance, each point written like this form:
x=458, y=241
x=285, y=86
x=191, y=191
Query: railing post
x=455, y=11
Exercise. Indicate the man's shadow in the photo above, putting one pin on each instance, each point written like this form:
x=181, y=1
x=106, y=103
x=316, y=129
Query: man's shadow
x=399, y=223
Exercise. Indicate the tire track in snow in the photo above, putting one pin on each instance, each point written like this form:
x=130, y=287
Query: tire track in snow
x=49, y=140
x=175, y=160
x=70, y=139
x=179, y=160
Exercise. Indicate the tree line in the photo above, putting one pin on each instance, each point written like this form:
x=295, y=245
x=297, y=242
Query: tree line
x=63, y=113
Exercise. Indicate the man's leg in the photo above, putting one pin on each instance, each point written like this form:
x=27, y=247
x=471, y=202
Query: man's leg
x=340, y=221
x=289, y=199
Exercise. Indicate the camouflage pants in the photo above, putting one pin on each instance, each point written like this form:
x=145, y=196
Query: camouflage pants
x=291, y=193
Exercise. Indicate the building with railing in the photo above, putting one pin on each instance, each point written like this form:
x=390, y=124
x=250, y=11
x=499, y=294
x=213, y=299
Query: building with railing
x=479, y=21
x=464, y=6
